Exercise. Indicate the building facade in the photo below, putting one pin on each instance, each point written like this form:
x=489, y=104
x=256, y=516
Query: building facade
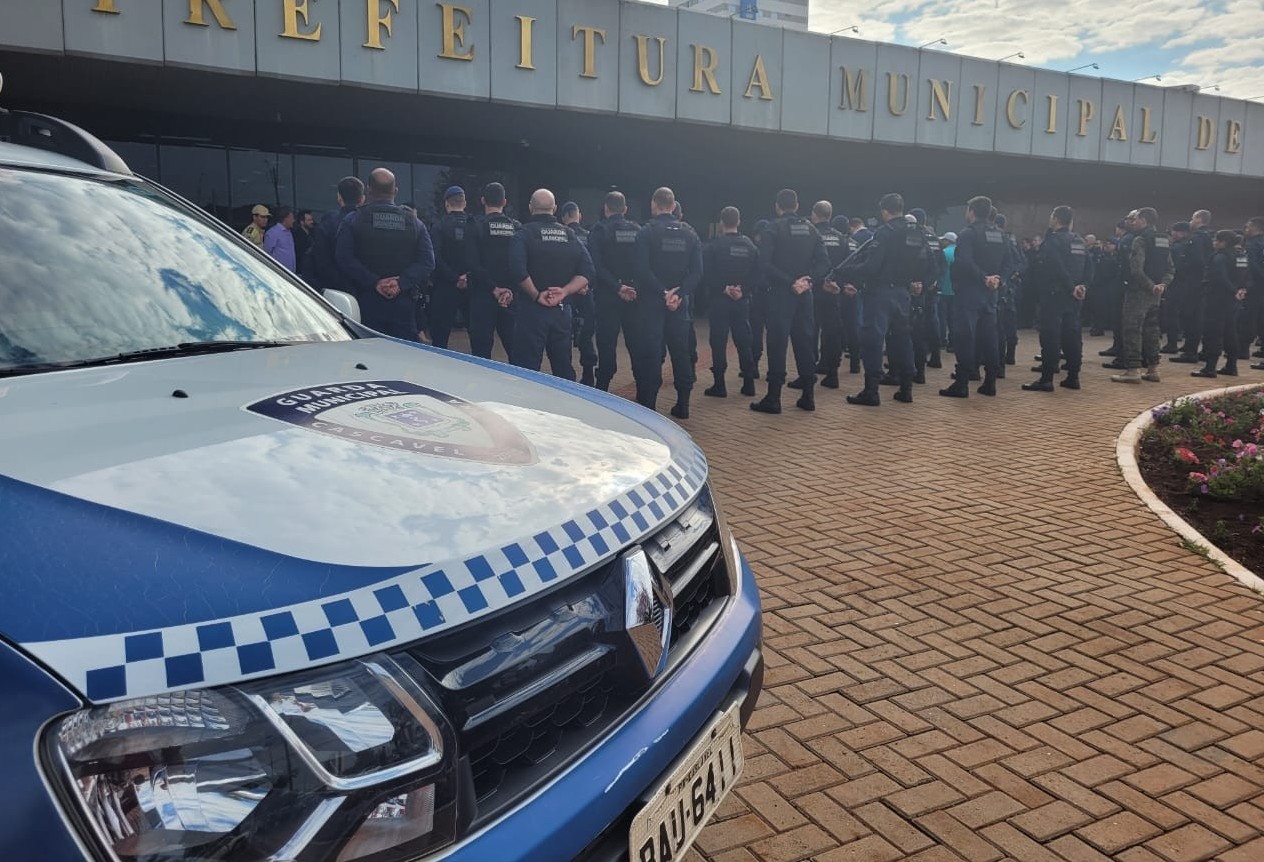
x=238, y=102
x=792, y=14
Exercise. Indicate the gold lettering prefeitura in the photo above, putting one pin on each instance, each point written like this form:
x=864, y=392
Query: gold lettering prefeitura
x=377, y=21
x=1118, y=130
x=106, y=7
x=455, y=20
x=1233, y=137
x=759, y=78
x=526, y=32
x=591, y=35
x=855, y=90
x=197, y=14
x=1011, y=113
x=705, y=63
x=643, y=59
x=941, y=97
x=892, y=91
x=1051, y=126
x=979, y=90
x=1206, y=134
x=1086, y=114
x=291, y=12
x=1148, y=135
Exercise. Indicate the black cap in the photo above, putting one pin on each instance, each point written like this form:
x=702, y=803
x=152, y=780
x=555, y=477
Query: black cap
x=1182, y=226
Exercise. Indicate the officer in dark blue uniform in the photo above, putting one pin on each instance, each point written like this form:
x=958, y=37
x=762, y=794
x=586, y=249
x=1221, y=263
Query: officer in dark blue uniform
x=453, y=244
x=492, y=292
x=1174, y=298
x=759, y=303
x=1255, y=271
x=385, y=254
x=322, y=267
x=1197, y=258
x=976, y=277
x=547, y=264
x=793, y=259
x=894, y=266
x=828, y=299
x=926, y=326
x=669, y=267
x=612, y=245
x=1008, y=297
x=849, y=305
x=1062, y=274
x=1225, y=290
x=583, y=304
x=730, y=268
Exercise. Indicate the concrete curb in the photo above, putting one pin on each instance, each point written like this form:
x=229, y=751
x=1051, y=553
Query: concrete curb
x=1126, y=455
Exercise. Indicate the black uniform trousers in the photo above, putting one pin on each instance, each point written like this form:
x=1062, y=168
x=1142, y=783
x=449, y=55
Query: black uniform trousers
x=886, y=314
x=731, y=317
x=790, y=321
x=1170, y=312
x=394, y=317
x=974, y=330
x=1191, y=315
x=850, y=308
x=1249, y=323
x=539, y=330
x=584, y=327
x=444, y=303
x=828, y=311
x=758, y=318
x=613, y=315
x=489, y=321
x=919, y=331
x=654, y=330
x=1220, y=327
x=1060, y=335
x=1007, y=324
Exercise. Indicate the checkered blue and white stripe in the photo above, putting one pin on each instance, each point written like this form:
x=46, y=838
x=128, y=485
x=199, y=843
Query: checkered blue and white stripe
x=396, y=611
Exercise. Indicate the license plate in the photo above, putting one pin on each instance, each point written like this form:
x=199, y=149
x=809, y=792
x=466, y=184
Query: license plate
x=679, y=807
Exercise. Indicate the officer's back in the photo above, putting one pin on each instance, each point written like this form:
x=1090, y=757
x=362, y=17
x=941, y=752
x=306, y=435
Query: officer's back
x=731, y=259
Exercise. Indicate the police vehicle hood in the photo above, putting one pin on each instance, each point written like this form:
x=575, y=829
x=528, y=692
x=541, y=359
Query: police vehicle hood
x=301, y=504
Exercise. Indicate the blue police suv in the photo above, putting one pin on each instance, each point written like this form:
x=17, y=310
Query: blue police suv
x=279, y=588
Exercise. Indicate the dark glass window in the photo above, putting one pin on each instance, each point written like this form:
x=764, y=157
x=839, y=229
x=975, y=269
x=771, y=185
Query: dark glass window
x=142, y=158
x=199, y=174
x=259, y=177
x=316, y=181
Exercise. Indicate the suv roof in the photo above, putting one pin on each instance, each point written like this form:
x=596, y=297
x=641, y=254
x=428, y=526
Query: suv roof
x=39, y=141
x=16, y=155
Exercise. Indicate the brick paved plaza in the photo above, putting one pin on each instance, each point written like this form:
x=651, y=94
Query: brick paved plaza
x=981, y=645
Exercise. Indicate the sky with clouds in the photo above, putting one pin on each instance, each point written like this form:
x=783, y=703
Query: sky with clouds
x=1212, y=43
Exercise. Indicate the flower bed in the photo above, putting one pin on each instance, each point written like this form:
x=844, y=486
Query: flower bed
x=1205, y=459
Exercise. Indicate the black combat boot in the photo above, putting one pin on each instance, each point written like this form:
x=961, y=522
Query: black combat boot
x=1109, y=351
x=1208, y=371
x=719, y=390
x=1230, y=368
x=905, y=395
x=867, y=397
x=958, y=389
x=1009, y=355
x=1000, y=371
x=919, y=377
x=936, y=361
x=771, y=403
x=796, y=383
x=681, y=410
x=589, y=378
x=889, y=379
x=974, y=376
x=853, y=364
x=604, y=384
x=1072, y=382
x=748, y=387
x=830, y=381
x=1170, y=349
x=807, y=401
x=989, y=384
x=647, y=398
x=1115, y=364
x=1044, y=384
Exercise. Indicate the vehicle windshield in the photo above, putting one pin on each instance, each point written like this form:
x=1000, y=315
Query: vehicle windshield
x=91, y=268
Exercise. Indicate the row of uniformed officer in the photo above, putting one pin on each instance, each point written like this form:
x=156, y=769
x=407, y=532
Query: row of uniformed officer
x=1061, y=274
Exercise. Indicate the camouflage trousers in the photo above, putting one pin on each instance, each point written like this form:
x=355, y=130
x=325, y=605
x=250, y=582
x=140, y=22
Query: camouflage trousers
x=1140, y=328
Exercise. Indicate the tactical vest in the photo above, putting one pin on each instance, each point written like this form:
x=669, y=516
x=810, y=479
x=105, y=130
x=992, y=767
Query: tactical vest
x=736, y=258
x=453, y=227
x=580, y=234
x=1157, y=255
x=912, y=256
x=990, y=250
x=837, y=246
x=1241, y=270
x=617, y=242
x=498, y=232
x=553, y=253
x=796, y=240
x=385, y=238
x=671, y=245
x=1078, y=260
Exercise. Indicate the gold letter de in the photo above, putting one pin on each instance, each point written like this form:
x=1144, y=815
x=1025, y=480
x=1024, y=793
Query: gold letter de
x=292, y=10
x=979, y=90
x=526, y=32
x=759, y=78
x=1086, y=114
x=377, y=22
x=454, y=31
x=705, y=62
x=1233, y=137
x=643, y=59
x=1148, y=135
x=1011, y=114
x=591, y=34
x=197, y=16
x=892, y=89
x=941, y=96
x=1206, y=133
x=855, y=95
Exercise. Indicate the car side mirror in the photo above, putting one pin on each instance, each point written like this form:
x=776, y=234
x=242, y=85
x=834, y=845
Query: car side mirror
x=345, y=303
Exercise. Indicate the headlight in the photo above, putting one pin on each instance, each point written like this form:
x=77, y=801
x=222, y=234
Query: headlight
x=350, y=762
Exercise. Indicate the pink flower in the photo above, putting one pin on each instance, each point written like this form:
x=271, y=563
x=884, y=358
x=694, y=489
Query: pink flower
x=1198, y=477
x=1186, y=455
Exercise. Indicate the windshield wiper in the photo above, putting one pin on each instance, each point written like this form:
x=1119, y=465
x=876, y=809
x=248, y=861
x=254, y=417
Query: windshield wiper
x=187, y=348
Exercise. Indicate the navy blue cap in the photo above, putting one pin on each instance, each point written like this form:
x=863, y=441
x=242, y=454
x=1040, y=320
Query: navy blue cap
x=1001, y=221
x=454, y=192
x=919, y=214
x=840, y=223
x=1182, y=226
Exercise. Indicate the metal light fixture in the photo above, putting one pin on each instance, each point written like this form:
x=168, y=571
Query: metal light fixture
x=940, y=41
x=1085, y=66
x=1148, y=78
x=1019, y=54
x=851, y=29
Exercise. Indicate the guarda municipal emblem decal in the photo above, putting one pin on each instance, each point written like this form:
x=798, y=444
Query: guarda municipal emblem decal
x=398, y=415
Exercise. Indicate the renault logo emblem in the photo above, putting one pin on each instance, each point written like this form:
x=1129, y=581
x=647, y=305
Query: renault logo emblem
x=647, y=611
